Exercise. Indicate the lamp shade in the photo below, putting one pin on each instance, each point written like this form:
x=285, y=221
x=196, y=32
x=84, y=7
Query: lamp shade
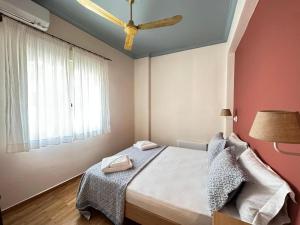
x=276, y=126
x=225, y=112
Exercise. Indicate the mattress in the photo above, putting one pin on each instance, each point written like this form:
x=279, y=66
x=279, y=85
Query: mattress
x=174, y=186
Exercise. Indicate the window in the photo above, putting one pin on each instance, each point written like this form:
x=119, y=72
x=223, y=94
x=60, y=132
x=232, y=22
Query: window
x=89, y=96
x=55, y=93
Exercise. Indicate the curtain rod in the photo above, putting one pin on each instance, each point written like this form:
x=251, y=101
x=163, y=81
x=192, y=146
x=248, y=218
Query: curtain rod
x=57, y=38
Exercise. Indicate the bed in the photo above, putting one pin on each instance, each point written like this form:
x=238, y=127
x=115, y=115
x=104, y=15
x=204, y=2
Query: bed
x=170, y=188
x=175, y=191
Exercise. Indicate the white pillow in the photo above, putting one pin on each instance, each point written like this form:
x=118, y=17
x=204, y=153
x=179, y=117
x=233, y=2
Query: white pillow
x=264, y=196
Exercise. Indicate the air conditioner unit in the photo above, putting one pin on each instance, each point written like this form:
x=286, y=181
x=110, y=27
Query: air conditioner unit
x=27, y=12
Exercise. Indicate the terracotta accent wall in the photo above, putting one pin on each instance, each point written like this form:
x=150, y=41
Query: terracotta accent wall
x=267, y=76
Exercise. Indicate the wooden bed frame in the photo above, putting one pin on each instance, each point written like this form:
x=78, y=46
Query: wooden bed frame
x=145, y=217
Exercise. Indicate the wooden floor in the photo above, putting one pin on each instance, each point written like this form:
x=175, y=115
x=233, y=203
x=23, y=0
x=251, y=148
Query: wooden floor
x=56, y=207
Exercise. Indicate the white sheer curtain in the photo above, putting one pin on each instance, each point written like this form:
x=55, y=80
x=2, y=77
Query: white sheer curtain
x=51, y=95
x=15, y=130
x=49, y=111
x=90, y=96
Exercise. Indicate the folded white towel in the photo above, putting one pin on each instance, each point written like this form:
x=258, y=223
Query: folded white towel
x=117, y=169
x=145, y=145
x=115, y=163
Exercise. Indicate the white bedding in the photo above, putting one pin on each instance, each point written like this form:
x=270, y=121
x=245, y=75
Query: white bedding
x=174, y=186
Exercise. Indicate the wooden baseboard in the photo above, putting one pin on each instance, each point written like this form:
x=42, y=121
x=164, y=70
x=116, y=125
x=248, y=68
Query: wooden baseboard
x=28, y=200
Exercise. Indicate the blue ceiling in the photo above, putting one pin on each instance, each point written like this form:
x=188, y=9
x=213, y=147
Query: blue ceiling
x=205, y=22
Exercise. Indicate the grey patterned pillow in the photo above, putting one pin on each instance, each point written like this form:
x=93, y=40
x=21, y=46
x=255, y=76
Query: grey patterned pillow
x=215, y=146
x=224, y=178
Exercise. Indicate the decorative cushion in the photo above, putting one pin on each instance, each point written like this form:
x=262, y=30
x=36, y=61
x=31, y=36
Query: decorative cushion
x=240, y=146
x=264, y=196
x=215, y=146
x=224, y=178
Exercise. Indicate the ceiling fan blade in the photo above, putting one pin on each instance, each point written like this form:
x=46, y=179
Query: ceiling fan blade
x=160, y=23
x=129, y=42
x=102, y=12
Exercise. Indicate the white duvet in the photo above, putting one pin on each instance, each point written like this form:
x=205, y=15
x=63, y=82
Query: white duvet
x=174, y=186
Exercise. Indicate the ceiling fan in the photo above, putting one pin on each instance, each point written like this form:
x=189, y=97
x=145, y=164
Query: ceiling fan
x=129, y=28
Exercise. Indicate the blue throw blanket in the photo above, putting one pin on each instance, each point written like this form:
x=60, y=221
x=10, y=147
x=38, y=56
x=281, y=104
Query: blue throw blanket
x=107, y=192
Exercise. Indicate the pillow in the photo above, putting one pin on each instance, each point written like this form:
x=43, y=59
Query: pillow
x=240, y=146
x=224, y=178
x=215, y=146
x=264, y=196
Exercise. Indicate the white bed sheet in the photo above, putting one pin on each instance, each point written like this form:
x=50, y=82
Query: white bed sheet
x=173, y=186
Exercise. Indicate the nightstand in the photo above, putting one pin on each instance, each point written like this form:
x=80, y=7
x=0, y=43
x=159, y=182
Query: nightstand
x=223, y=219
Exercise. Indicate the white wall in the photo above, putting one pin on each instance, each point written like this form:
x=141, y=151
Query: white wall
x=141, y=99
x=187, y=94
x=23, y=175
x=171, y=114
